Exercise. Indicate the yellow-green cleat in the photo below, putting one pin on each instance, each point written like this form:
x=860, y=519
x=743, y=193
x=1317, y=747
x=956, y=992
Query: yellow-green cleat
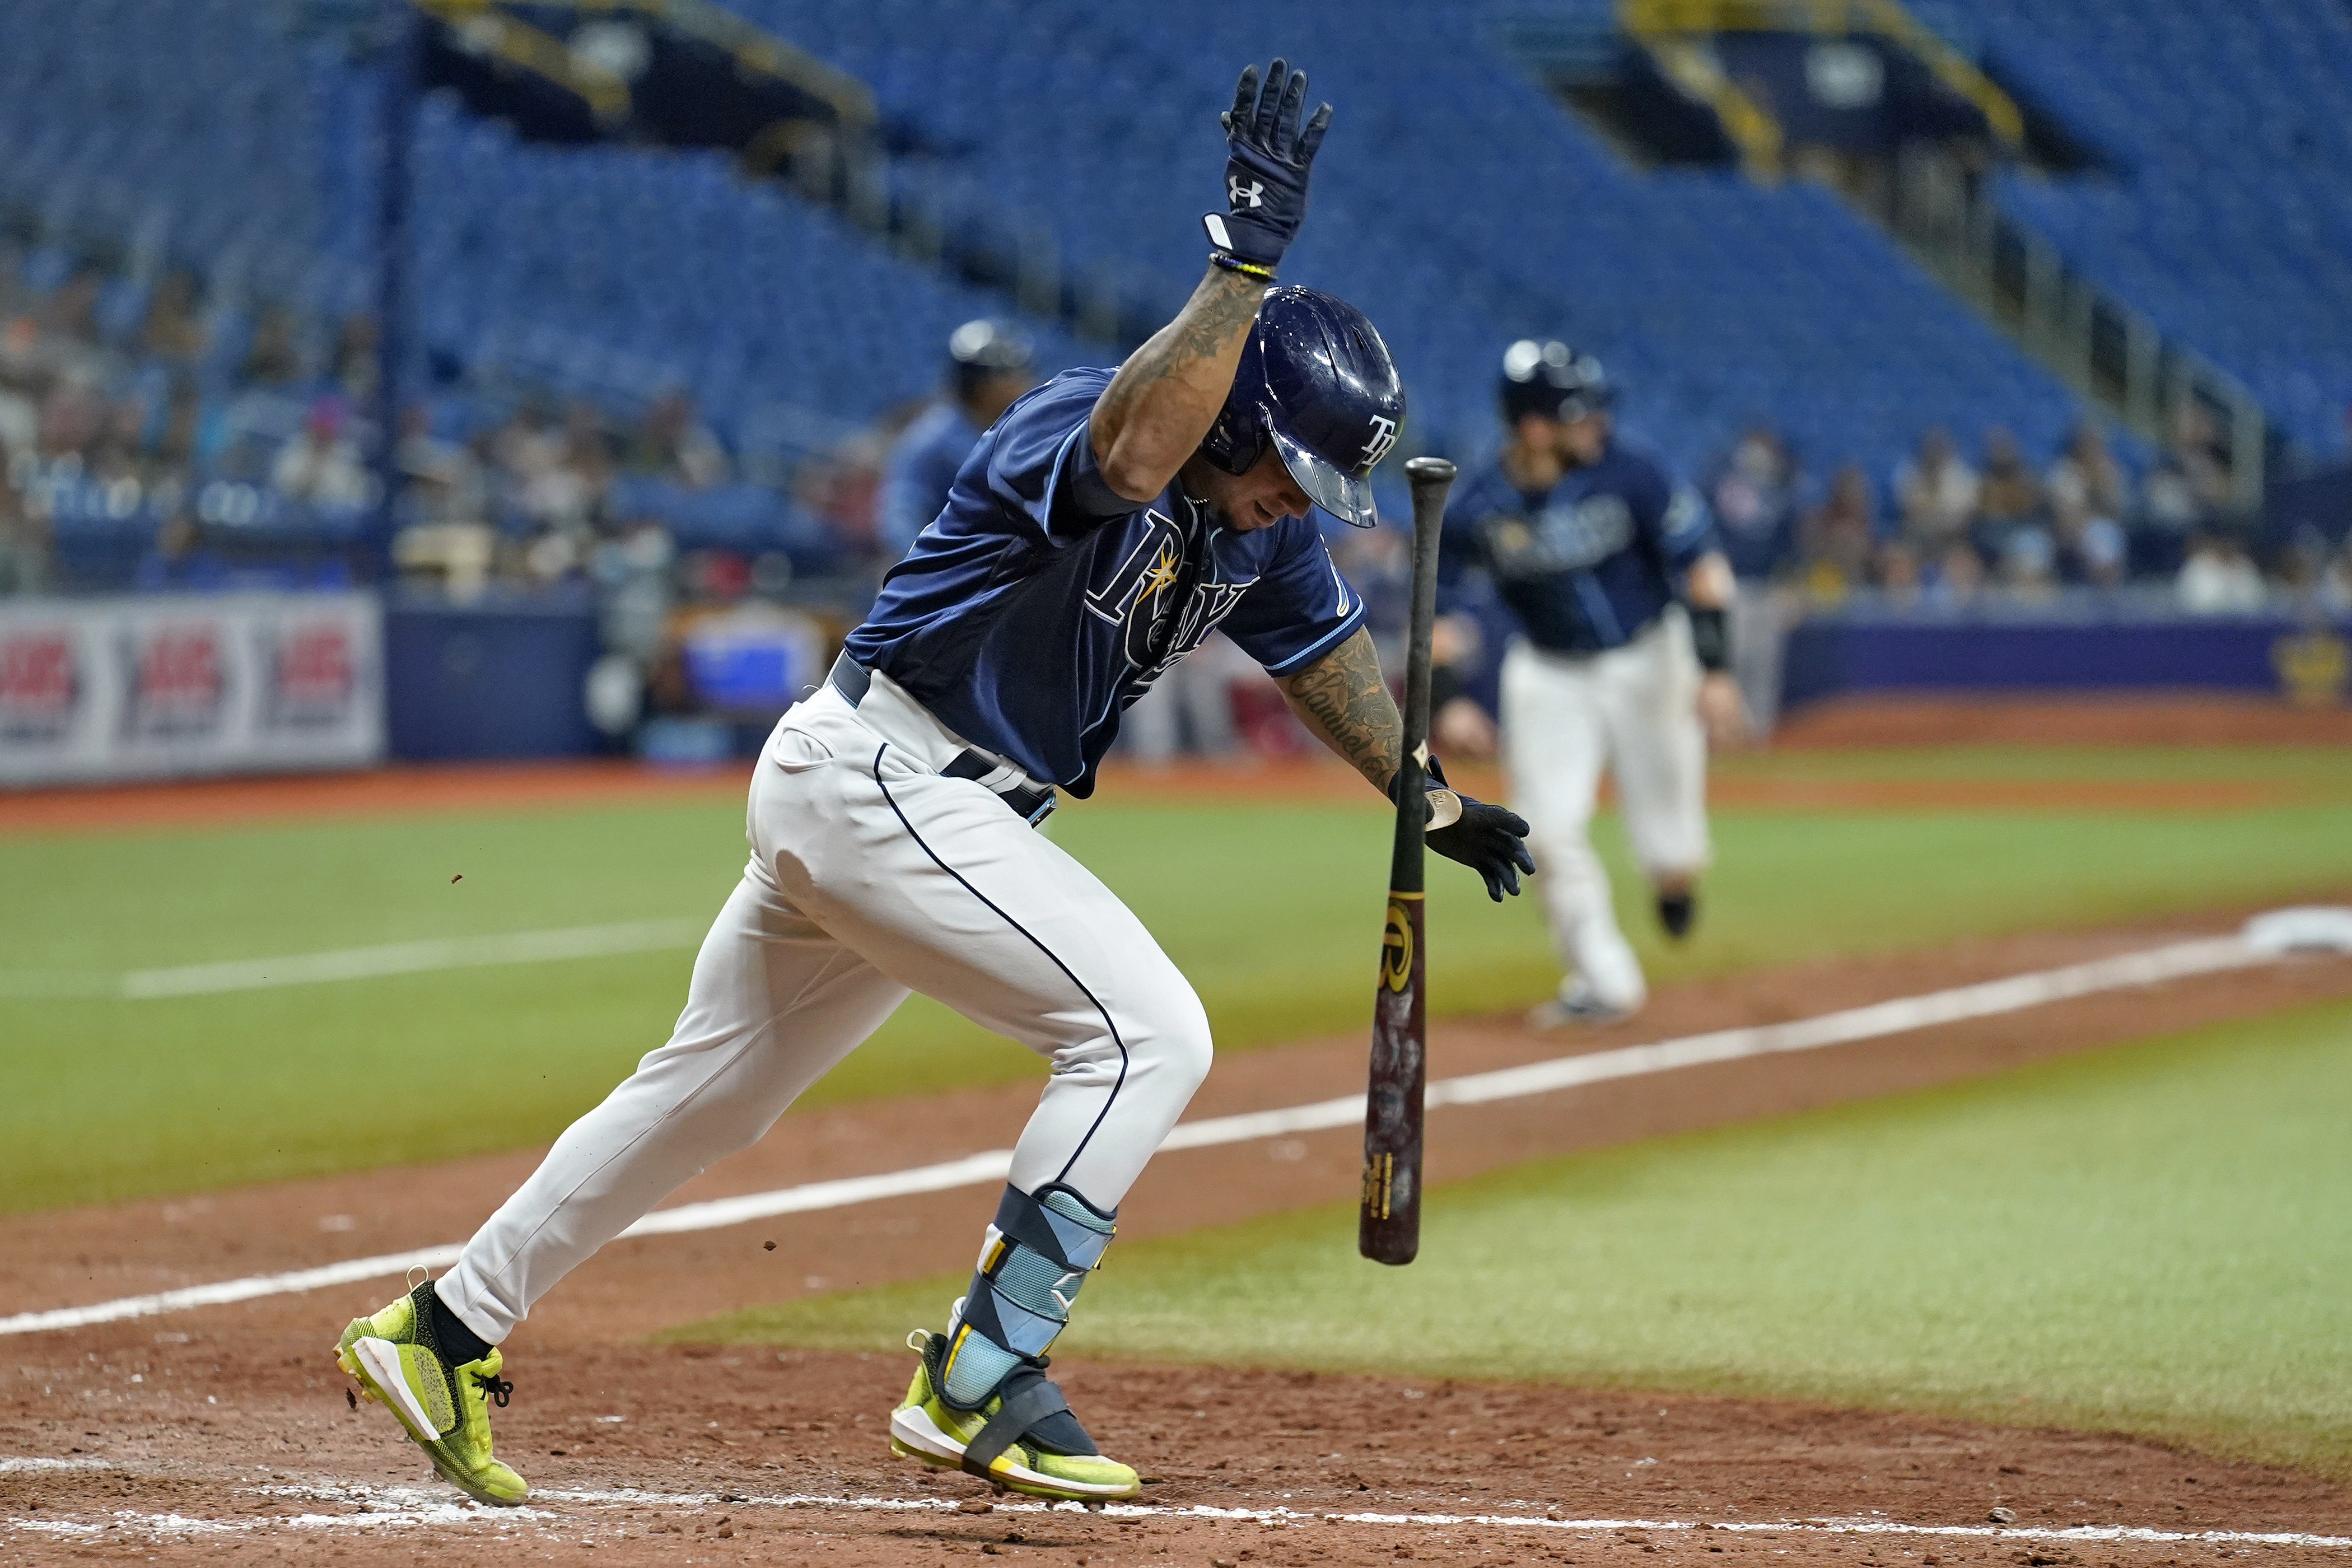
x=994, y=1442
x=445, y=1408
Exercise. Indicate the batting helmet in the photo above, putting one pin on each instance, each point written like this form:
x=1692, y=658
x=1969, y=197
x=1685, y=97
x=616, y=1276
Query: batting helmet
x=1315, y=380
x=1552, y=380
x=983, y=350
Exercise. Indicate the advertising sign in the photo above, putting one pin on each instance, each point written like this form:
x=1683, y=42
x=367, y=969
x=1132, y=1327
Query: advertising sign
x=156, y=687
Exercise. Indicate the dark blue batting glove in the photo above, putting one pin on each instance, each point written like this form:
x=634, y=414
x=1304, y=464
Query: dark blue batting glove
x=1266, y=155
x=1489, y=839
x=1492, y=840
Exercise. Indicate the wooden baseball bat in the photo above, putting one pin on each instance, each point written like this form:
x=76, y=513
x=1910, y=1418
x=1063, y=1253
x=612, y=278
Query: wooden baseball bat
x=1389, y=1222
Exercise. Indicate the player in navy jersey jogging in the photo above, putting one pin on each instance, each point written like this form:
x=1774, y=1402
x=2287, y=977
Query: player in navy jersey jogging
x=1619, y=588
x=988, y=368
x=1097, y=532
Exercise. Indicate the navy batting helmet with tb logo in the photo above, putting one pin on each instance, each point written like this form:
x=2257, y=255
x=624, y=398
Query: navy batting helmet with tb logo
x=1316, y=381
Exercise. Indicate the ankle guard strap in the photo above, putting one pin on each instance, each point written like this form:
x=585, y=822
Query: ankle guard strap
x=1031, y=1408
x=1037, y=1256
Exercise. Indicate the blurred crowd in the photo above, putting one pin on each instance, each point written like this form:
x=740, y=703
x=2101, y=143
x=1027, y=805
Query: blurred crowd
x=1942, y=529
x=210, y=449
x=151, y=440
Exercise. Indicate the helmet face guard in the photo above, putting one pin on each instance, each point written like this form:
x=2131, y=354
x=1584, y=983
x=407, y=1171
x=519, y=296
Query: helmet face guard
x=1317, y=381
x=1345, y=496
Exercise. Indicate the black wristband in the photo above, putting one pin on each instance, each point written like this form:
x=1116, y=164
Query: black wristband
x=1434, y=773
x=1710, y=637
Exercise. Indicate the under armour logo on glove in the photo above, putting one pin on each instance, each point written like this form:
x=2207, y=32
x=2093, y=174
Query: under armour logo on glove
x=1267, y=156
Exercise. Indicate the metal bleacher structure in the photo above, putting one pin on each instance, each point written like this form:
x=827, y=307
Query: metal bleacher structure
x=2219, y=206
x=2193, y=247
x=1458, y=202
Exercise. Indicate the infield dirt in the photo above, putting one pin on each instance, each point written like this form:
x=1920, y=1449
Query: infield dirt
x=224, y=1433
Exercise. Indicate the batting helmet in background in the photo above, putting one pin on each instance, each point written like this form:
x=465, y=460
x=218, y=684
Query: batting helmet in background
x=983, y=350
x=1553, y=380
x=1316, y=381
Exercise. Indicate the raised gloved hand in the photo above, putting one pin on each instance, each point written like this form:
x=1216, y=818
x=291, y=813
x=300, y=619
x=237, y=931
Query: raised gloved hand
x=1266, y=166
x=1492, y=840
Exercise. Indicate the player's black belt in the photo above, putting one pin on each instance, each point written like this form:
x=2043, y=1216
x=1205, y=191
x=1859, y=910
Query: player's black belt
x=1033, y=805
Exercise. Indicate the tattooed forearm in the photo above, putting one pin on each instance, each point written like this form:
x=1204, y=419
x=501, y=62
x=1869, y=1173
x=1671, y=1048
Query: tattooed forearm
x=1343, y=700
x=1164, y=398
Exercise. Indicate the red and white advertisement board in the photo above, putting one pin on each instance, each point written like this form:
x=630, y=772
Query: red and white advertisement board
x=166, y=684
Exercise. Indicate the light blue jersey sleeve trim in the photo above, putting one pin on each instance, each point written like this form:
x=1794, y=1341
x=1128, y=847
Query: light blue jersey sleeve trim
x=1355, y=618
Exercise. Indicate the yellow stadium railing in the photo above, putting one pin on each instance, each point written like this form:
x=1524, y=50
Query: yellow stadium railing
x=485, y=28
x=1693, y=69
x=755, y=50
x=1654, y=22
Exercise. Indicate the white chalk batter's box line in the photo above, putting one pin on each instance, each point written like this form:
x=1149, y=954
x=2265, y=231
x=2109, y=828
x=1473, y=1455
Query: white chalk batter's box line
x=413, y=1508
x=2264, y=939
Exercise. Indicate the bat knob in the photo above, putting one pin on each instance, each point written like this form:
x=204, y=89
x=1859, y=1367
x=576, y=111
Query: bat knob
x=1429, y=472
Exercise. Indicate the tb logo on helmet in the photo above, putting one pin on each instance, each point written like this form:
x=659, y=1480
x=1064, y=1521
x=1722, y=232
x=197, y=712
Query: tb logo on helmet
x=1383, y=438
x=1238, y=196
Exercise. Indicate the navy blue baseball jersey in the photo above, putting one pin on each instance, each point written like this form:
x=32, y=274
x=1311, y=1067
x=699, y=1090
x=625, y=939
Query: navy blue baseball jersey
x=1040, y=604
x=1587, y=565
x=922, y=465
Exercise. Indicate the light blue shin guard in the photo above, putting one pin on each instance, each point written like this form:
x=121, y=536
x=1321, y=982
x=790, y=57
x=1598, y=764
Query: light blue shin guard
x=1038, y=1254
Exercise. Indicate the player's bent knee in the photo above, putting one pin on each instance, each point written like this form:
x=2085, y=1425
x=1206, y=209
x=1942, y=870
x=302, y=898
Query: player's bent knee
x=1185, y=1049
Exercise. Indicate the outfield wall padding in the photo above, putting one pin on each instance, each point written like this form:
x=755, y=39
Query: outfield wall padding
x=493, y=680
x=2276, y=655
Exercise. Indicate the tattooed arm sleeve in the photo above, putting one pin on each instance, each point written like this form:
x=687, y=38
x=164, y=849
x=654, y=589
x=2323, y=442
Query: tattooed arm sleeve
x=1164, y=398
x=1343, y=700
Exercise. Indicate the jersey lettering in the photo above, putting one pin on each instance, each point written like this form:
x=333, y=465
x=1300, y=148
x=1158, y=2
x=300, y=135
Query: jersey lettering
x=1568, y=537
x=1158, y=601
x=1686, y=517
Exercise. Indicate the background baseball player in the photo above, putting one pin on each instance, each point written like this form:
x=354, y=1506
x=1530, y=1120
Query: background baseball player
x=1095, y=535
x=1590, y=546
x=988, y=368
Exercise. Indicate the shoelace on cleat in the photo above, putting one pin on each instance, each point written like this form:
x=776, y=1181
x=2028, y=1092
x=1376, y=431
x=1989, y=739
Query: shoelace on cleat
x=498, y=1388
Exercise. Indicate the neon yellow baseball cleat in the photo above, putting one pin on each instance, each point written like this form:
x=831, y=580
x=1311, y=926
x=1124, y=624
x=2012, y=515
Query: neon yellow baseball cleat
x=994, y=1442
x=446, y=1409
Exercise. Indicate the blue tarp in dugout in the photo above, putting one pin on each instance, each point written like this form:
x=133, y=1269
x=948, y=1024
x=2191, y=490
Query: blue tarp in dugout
x=1834, y=654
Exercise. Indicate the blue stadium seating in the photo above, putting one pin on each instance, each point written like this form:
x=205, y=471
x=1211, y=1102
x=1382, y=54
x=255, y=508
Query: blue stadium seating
x=1455, y=201
x=612, y=273
x=198, y=131
x=2222, y=210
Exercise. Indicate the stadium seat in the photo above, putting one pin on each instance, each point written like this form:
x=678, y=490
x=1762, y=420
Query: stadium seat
x=2219, y=206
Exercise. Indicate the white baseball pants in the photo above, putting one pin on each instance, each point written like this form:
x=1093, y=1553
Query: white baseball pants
x=870, y=876
x=1632, y=710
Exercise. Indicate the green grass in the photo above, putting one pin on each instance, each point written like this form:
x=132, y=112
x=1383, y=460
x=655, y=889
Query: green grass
x=2316, y=771
x=1274, y=913
x=2148, y=1239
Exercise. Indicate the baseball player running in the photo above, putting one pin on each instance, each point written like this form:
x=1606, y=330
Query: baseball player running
x=988, y=368
x=1097, y=533
x=1589, y=547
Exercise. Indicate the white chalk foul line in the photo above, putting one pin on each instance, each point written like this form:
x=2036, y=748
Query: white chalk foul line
x=364, y=963
x=409, y=1507
x=624, y=1497
x=2176, y=961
